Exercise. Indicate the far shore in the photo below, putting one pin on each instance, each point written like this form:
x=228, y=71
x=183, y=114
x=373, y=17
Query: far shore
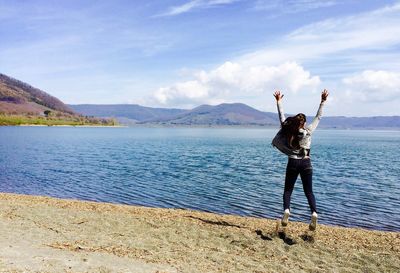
x=205, y=126
x=68, y=125
x=274, y=127
x=149, y=125
x=43, y=234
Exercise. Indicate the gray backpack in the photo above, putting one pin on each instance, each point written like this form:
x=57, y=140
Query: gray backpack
x=280, y=142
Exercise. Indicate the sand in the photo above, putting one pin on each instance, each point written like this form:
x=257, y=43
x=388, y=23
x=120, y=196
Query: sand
x=41, y=234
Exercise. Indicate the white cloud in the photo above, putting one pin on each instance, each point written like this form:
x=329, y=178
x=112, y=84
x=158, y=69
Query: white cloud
x=183, y=8
x=375, y=86
x=291, y=6
x=194, y=4
x=376, y=30
x=230, y=81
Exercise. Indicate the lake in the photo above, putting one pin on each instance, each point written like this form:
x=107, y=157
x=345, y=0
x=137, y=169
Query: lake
x=227, y=170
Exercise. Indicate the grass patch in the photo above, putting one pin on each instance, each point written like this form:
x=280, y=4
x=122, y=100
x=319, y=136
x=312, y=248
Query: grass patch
x=51, y=121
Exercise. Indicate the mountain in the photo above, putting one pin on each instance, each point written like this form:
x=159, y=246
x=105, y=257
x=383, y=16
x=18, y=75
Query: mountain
x=17, y=97
x=223, y=114
x=126, y=113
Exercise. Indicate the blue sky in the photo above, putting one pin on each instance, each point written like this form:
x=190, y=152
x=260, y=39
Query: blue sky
x=185, y=53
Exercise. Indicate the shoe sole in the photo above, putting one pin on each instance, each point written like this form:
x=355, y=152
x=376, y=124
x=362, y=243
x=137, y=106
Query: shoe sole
x=285, y=219
x=313, y=224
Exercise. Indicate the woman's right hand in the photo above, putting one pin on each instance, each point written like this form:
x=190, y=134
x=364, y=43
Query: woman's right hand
x=278, y=96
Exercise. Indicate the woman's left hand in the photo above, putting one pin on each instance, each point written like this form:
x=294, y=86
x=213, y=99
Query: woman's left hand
x=324, y=95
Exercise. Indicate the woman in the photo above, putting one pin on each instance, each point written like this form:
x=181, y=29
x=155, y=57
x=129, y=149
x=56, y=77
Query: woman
x=299, y=162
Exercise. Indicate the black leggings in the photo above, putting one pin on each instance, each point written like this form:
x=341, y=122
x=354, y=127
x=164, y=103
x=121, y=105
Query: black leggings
x=293, y=169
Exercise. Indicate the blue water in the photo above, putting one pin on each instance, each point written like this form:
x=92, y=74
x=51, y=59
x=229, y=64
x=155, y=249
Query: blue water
x=235, y=171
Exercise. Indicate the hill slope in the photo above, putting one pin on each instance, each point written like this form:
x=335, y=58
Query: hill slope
x=21, y=103
x=17, y=97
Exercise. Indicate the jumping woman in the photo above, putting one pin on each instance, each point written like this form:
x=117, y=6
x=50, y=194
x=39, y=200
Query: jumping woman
x=298, y=138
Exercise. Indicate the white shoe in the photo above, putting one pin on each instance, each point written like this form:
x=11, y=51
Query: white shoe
x=285, y=218
x=313, y=223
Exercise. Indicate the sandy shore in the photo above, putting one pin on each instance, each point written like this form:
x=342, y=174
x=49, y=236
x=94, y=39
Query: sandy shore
x=40, y=234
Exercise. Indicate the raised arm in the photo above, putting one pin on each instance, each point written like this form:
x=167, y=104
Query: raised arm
x=313, y=125
x=278, y=96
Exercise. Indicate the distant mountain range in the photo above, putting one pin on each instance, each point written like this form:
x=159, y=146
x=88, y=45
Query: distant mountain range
x=220, y=115
x=223, y=114
x=126, y=113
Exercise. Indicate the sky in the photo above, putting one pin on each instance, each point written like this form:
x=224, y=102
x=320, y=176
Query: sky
x=184, y=53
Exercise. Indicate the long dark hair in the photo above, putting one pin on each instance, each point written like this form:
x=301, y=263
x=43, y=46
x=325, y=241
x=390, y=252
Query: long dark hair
x=290, y=128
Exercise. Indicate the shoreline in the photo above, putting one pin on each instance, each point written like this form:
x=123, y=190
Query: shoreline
x=57, y=235
x=67, y=125
x=376, y=129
